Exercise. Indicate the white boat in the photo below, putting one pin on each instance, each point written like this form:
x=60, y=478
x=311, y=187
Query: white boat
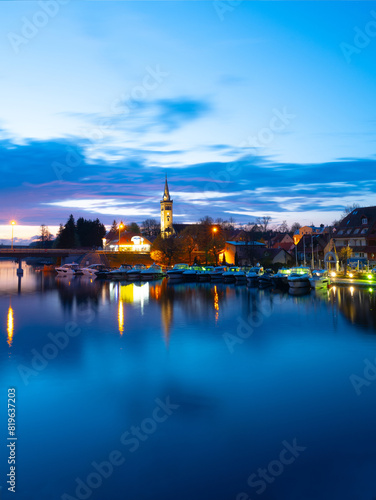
x=299, y=277
x=191, y=274
x=319, y=279
x=217, y=273
x=69, y=270
x=134, y=274
x=177, y=272
x=254, y=273
x=266, y=278
x=151, y=273
x=280, y=279
x=119, y=273
x=93, y=270
x=204, y=275
x=229, y=276
x=240, y=277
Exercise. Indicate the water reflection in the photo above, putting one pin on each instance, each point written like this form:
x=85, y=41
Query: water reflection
x=10, y=326
x=358, y=305
x=121, y=317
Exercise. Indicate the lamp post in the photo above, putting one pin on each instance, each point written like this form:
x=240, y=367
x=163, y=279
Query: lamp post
x=13, y=223
x=121, y=226
x=215, y=229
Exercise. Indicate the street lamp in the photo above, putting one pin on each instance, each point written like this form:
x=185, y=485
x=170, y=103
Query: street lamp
x=121, y=226
x=13, y=223
x=215, y=229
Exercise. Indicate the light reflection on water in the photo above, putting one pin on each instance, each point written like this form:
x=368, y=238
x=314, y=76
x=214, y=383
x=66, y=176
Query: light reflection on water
x=287, y=378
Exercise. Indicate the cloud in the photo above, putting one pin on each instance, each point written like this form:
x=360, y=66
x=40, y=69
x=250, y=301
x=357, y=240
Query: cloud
x=173, y=113
x=131, y=186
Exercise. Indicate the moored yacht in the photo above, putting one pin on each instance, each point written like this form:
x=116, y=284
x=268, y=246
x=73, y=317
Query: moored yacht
x=299, y=277
x=254, y=274
x=191, y=274
x=120, y=273
x=177, y=272
x=93, y=270
x=280, y=279
x=229, y=276
x=319, y=279
x=266, y=278
x=134, y=274
x=68, y=270
x=151, y=273
x=205, y=274
x=217, y=273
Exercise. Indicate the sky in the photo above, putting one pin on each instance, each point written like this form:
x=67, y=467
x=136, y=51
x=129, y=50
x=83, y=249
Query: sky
x=250, y=108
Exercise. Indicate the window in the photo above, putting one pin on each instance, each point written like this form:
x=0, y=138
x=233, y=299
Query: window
x=356, y=231
x=348, y=231
x=364, y=230
x=348, y=222
x=364, y=220
x=340, y=232
x=355, y=212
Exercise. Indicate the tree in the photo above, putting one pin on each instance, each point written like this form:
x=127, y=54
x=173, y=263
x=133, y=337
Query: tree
x=264, y=222
x=45, y=236
x=283, y=228
x=217, y=244
x=189, y=241
x=345, y=254
x=348, y=209
x=133, y=227
x=67, y=237
x=150, y=228
x=165, y=250
x=90, y=232
x=295, y=227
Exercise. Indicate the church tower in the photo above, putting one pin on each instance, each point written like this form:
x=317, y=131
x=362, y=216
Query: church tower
x=166, y=213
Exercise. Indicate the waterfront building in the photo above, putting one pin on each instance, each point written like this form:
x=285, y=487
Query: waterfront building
x=358, y=231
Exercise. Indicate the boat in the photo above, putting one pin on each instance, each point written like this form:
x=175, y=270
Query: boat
x=151, y=273
x=299, y=277
x=204, y=275
x=280, y=279
x=134, y=274
x=229, y=276
x=191, y=274
x=177, y=272
x=320, y=279
x=240, y=277
x=93, y=270
x=217, y=273
x=119, y=273
x=266, y=278
x=254, y=273
x=72, y=269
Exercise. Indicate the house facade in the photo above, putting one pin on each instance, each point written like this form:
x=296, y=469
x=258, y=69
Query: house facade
x=358, y=231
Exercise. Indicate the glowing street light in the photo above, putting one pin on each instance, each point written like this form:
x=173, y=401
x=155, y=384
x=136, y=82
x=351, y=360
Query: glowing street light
x=121, y=226
x=12, y=223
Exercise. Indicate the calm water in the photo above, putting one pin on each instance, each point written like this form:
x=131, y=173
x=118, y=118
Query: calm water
x=235, y=393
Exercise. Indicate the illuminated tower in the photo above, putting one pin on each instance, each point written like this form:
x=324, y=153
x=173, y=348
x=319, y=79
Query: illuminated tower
x=166, y=213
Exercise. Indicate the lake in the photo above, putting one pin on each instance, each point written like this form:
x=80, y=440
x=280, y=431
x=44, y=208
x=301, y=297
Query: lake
x=187, y=391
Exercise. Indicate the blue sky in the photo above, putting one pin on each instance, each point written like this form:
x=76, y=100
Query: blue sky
x=255, y=109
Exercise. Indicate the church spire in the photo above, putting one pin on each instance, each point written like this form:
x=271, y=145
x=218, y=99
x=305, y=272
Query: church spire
x=166, y=194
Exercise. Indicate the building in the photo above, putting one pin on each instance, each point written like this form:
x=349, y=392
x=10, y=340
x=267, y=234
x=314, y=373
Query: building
x=358, y=231
x=129, y=242
x=244, y=253
x=303, y=231
x=167, y=228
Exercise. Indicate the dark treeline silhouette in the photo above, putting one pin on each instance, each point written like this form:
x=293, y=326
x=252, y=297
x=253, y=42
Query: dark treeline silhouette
x=85, y=233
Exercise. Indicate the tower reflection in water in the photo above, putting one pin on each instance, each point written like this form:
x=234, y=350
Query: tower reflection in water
x=10, y=326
